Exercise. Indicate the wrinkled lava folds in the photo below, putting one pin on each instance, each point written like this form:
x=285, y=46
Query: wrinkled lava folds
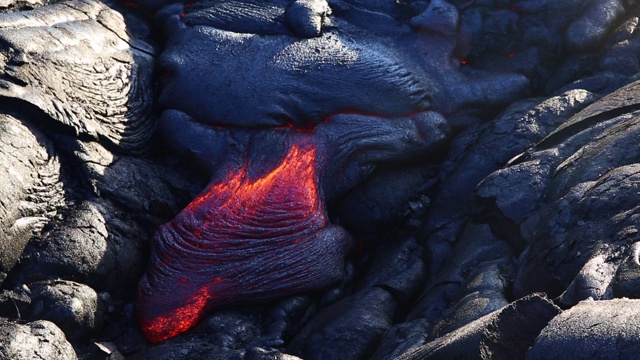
x=242, y=240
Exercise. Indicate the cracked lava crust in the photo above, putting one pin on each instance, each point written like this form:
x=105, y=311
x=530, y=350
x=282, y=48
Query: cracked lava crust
x=243, y=239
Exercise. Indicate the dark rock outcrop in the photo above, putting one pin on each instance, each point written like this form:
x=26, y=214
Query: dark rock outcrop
x=36, y=340
x=506, y=333
x=73, y=307
x=581, y=227
x=29, y=187
x=467, y=156
x=591, y=329
x=348, y=328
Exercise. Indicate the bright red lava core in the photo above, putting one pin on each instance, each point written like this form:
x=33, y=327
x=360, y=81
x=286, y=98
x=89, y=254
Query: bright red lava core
x=178, y=321
x=228, y=218
x=292, y=183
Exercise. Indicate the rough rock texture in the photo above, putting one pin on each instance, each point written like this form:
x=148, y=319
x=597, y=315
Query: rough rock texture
x=76, y=63
x=88, y=248
x=306, y=17
x=225, y=335
x=37, y=340
x=591, y=330
x=483, y=149
x=577, y=175
x=506, y=333
x=73, y=307
x=30, y=192
x=348, y=328
x=327, y=72
x=77, y=96
x=472, y=284
x=477, y=153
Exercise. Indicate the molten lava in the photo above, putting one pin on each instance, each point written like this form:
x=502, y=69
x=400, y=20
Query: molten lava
x=292, y=184
x=241, y=240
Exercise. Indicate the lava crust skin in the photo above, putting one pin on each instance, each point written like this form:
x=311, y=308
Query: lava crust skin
x=246, y=238
x=260, y=231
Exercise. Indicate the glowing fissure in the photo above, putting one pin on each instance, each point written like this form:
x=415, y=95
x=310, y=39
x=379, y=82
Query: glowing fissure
x=226, y=245
x=285, y=201
x=177, y=321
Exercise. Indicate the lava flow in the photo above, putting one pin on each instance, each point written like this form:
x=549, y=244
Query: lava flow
x=241, y=240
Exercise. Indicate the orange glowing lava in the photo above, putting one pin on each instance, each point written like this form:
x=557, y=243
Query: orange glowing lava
x=290, y=189
x=227, y=244
x=178, y=321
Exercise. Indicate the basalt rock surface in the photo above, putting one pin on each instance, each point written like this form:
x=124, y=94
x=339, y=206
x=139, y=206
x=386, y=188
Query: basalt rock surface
x=606, y=329
x=588, y=164
x=311, y=179
x=36, y=340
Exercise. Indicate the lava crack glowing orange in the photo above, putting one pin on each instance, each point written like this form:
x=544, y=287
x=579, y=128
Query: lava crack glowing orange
x=229, y=245
x=292, y=185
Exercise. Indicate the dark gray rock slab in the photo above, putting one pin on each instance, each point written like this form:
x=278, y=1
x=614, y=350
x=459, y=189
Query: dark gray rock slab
x=72, y=306
x=97, y=244
x=401, y=75
x=483, y=294
x=402, y=338
x=481, y=150
x=528, y=36
x=66, y=68
x=202, y=350
x=30, y=188
x=306, y=17
x=506, y=333
x=626, y=282
x=398, y=267
x=592, y=25
x=348, y=329
x=33, y=341
x=8, y=5
x=473, y=283
x=391, y=197
x=608, y=329
x=475, y=271
x=74, y=61
x=271, y=17
x=618, y=54
x=572, y=201
x=320, y=90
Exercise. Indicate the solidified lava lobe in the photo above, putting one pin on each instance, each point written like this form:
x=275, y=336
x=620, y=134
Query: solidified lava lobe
x=242, y=240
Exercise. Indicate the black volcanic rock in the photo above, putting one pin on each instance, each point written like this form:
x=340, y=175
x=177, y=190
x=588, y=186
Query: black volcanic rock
x=472, y=283
x=477, y=151
x=618, y=54
x=398, y=267
x=348, y=329
x=75, y=61
x=607, y=329
x=571, y=192
x=36, y=340
x=591, y=26
x=480, y=150
x=506, y=333
x=92, y=246
x=306, y=17
x=29, y=187
x=73, y=307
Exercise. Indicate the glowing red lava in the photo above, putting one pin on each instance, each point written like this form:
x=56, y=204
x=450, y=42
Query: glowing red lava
x=228, y=246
